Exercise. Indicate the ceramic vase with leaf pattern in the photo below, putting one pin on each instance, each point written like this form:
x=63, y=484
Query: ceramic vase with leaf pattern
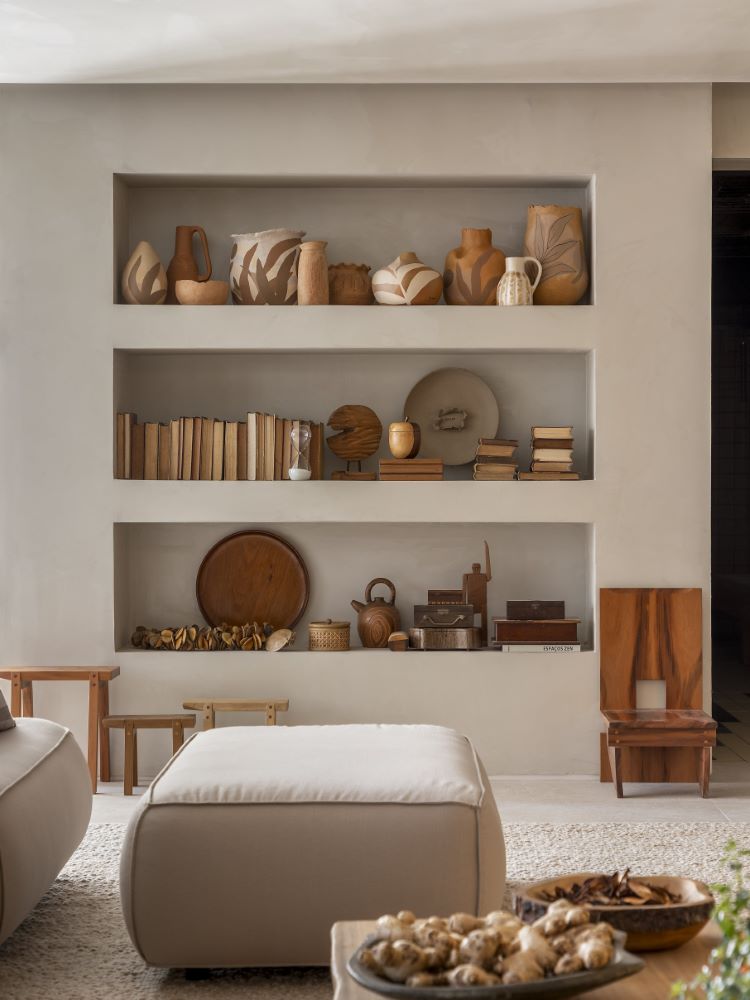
x=473, y=270
x=263, y=267
x=144, y=280
x=554, y=235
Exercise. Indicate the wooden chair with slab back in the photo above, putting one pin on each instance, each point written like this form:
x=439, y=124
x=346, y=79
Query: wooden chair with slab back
x=653, y=635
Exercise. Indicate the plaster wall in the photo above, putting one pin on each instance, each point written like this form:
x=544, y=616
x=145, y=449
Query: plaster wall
x=647, y=150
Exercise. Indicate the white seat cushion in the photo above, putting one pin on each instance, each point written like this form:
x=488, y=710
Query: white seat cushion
x=265, y=764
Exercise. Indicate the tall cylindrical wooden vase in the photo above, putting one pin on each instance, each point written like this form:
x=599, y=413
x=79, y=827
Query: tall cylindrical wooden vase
x=312, y=274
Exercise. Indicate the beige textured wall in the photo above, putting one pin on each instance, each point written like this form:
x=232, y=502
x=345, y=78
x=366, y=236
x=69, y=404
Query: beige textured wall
x=731, y=123
x=648, y=149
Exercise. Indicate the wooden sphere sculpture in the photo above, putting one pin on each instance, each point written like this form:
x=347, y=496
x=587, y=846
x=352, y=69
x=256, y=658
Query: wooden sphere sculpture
x=358, y=436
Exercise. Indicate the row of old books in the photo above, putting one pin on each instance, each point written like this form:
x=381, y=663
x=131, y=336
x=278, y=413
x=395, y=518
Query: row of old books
x=204, y=448
x=536, y=627
x=551, y=454
x=495, y=460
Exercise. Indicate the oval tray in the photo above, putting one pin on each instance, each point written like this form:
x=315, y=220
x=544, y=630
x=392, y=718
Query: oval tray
x=252, y=576
x=557, y=987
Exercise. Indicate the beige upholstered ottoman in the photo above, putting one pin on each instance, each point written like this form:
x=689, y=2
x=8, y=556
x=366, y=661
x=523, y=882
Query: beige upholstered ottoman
x=253, y=841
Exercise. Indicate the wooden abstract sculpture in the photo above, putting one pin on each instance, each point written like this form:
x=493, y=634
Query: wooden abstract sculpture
x=475, y=589
x=358, y=437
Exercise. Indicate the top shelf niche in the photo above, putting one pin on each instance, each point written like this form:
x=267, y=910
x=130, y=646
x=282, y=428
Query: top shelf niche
x=365, y=220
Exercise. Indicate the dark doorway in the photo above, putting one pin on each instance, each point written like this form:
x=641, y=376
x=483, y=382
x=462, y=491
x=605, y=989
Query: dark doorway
x=730, y=472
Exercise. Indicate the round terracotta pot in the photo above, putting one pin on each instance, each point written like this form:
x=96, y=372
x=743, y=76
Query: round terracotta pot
x=554, y=235
x=350, y=285
x=406, y=281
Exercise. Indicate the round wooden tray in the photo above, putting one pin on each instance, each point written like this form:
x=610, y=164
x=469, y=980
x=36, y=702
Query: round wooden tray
x=253, y=576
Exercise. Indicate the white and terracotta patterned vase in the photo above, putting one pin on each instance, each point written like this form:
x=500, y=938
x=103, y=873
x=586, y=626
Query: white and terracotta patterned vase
x=144, y=280
x=406, y=281
x=263, y=267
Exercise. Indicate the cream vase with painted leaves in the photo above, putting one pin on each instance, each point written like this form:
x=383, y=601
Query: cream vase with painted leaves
x=144, y=280
x=263, y=267
x=406, y=281
x=554, y=235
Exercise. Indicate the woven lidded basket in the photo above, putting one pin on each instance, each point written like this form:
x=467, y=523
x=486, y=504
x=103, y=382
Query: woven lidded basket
x=329, y=635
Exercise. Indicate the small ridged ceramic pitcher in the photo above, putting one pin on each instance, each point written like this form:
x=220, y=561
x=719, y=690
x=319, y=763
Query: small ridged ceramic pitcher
x=515, y=289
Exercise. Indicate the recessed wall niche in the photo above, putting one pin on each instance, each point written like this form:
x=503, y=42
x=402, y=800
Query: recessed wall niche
x=531, y=388
x=364, y=220
x=156, y=566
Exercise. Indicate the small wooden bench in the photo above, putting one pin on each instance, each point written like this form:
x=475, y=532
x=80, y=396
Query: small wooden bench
x=210, y=706
x=662, y=728
x=131, y=724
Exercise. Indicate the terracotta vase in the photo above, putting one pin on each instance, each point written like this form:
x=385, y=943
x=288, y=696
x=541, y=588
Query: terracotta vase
x=473, y=270
x=350, y=285
x=515, y=288
x=263, y=267
x=554, y=235
x=312, y=274
x=183, y=266
x=144, y=281
x=406, y=281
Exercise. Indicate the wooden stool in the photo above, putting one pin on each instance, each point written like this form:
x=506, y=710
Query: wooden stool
x=662, y=728
x=131, y=724
x=210, y=706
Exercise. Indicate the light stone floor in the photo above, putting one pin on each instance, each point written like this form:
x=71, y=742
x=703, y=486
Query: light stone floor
x=554, y=799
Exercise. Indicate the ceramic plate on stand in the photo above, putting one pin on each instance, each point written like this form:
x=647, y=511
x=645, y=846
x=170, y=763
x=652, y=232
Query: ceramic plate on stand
x=454, y=408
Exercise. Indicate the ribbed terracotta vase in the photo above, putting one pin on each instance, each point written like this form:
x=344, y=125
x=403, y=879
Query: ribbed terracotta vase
x=554, y=235
x=312, y=274
x=473, y=270
x=263, y=267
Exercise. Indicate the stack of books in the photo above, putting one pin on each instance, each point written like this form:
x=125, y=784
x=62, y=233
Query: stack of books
x=205, y=448
x=393, y=470
x=536, y=627
x=495, y=460
x=551, y=454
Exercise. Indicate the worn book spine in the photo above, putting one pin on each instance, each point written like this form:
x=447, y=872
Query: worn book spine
x=269, y=446
x=175, y=449
x=278, y=447
x=217, y=457
x=535, y=647
x=552, y=432
x=495, y=455
x=151, y=451
x=137, y=450
x=535, y=610
x=552, y=442
x=512, y=442
x=120, y=446
x=242, y=450
x=207, y=448
x=163, y=464
x=187, y=447
x=548, y=476
x=195, y=464
x=252, y=448
x=230, y=451
x=551, y=466
x=286, y=448
x=127, y=459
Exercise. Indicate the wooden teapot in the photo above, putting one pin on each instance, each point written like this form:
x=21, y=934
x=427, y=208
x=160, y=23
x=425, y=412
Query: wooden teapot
x=376, y=619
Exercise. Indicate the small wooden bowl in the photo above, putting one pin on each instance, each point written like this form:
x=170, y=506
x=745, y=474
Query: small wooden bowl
x=398, y=642
x=648, y=928
x=201, y=293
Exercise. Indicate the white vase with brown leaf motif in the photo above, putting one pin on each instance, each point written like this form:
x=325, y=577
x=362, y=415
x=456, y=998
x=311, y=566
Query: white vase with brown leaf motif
x=554, y=235
x=406, y=281
x=263, y=267
x=144, y=280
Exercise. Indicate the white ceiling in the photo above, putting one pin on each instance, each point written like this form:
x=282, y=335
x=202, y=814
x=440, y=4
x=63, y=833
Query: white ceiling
x=373, y=41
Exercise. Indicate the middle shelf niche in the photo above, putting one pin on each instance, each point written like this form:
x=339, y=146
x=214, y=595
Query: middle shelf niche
x=547, y=388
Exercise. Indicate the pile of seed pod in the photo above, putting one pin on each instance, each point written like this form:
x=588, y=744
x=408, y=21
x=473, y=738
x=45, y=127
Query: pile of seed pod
x=186, y=638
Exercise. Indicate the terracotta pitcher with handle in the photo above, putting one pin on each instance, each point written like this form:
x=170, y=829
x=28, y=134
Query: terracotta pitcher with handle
x=183, y=265
x=377, y=618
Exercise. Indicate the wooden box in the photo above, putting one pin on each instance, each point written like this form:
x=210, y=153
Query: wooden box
x=445, y=638
x=443, y=616
x=551, y=630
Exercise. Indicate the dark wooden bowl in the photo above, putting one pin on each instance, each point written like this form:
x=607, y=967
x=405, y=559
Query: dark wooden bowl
x=648, y=928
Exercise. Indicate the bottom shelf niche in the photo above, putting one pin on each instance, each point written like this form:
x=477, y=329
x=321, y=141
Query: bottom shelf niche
x=156, y=566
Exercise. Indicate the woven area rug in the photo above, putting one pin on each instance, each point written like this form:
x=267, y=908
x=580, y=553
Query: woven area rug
x=74, y=946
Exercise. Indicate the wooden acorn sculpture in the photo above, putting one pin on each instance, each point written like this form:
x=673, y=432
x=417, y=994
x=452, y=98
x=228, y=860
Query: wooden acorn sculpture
x=377, y=619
